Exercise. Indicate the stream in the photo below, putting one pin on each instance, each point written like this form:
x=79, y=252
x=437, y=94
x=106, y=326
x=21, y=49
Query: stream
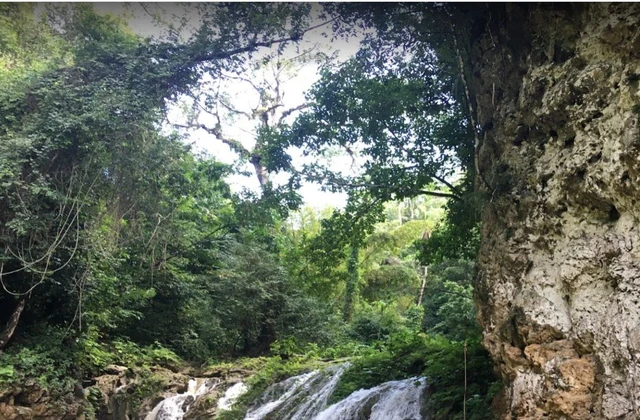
x=306, y=396
x=175, y=407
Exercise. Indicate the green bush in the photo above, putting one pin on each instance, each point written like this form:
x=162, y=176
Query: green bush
x=375, y=322
x=440, y=360
x=94, y=353
x=45, y=356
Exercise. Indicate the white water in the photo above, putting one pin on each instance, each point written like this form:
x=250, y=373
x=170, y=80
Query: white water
x=395, y=400
x=304, y=397
x=300, y=397
x=276, y=395
x=174, y=408
x=231, y=395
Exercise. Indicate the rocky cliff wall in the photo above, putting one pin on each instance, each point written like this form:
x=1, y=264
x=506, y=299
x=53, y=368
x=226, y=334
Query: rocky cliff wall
x=557, y=94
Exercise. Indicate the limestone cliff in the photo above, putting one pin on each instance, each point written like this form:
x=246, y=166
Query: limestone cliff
x=556, y=89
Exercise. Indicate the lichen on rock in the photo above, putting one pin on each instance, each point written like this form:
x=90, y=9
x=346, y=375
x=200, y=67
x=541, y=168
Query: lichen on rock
x=559, y=270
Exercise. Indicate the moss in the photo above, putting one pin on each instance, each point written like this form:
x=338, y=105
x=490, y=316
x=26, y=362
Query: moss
x=95, y=400
x=633, y=78
x=147, y=385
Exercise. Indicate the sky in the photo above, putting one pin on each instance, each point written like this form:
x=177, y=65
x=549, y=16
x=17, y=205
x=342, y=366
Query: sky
x=244, y=97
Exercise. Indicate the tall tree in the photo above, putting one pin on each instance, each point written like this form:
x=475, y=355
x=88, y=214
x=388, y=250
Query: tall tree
x=80, y=144
x=353, y=279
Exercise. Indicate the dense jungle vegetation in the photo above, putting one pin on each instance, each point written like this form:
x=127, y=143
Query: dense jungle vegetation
x=120, y=245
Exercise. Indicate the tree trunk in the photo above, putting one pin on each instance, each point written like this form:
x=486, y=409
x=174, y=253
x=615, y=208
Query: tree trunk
x=261, y=172
x=352, y=282
x=424, y=284
x=6, y=335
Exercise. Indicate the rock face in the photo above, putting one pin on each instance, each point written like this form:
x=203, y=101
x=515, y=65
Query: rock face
x=119, y=394
x=30, y=402
x=556, y=88
x=126, y=394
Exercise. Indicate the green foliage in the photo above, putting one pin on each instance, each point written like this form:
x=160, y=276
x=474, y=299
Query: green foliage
x=27, y=44
x=382, y=105
x=393, y=106
x=390, y=105
x=115, y=230
x=45, y=357
x=7, y=373
x=94, y=353
x=416, y=209
x=427, y=341
x=353, y=273
x=458, y=236
x=406, y=354
x=391, y=283
x=445, y=369
x=448, y=304
x=258, y=303
x=134, y=251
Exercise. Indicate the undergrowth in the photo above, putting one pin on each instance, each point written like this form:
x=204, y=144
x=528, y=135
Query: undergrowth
x=440, y=360
x=56, y=361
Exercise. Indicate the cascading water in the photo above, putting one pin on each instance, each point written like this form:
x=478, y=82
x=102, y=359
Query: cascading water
x=231, y=395
x=395, y=400
x=298, y=398
x=175, y=407
x=305, y=397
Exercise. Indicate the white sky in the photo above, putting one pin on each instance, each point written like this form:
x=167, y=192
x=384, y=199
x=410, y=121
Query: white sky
x=246, y=98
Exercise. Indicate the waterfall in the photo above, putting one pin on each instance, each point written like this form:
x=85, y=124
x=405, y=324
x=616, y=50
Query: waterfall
x=305, y=397
x=175, y=407
x=231, y=395
x=298, y=398
x=395, y=400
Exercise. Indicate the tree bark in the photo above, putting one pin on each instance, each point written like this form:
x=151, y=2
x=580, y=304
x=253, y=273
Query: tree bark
x=424, y=284
x=12, y=324
x=261, y=172
x=352, y=282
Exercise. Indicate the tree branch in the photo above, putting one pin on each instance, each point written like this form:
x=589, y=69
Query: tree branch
x=438, y=194
x=448, y=184
x=290, y=111
x=235, y=145
x=417, y=191
x=255, y=87
x=8, y=331
x=254, y=45
x=233, y=110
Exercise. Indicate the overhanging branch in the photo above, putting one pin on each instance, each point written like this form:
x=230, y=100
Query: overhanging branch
x=391, y=187
x=235, y=145
x=453, y=188
x=254, y=45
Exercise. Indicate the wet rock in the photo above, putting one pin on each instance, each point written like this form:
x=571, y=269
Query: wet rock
x=116, y=395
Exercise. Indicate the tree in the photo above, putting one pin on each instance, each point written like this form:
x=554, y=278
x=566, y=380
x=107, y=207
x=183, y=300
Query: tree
x=448, y=302
x=80, y=146
x=392, y=106
x=352, y=281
